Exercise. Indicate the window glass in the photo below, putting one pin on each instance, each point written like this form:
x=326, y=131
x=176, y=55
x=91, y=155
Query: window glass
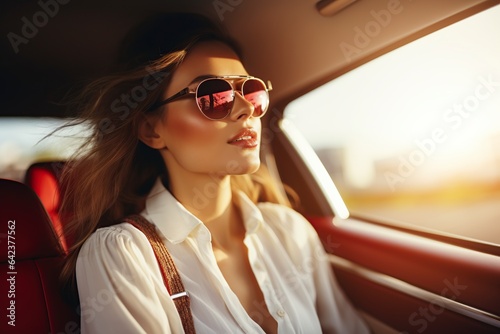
x=21, y=143
x=413, y=137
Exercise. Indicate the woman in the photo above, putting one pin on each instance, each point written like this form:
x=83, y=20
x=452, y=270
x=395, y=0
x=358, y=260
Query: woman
x=176, y=138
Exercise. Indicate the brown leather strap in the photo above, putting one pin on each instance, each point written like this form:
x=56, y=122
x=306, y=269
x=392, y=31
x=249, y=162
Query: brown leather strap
x=169, y=272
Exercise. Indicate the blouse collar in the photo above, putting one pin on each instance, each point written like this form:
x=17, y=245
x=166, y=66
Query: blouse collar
x=176, y=223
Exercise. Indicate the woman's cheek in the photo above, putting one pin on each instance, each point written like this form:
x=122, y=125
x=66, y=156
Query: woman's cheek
x=191, y=127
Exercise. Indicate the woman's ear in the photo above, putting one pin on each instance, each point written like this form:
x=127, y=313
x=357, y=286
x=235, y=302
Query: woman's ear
x=147, y=133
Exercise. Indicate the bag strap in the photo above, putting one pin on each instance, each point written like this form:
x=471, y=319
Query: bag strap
x=169, y=272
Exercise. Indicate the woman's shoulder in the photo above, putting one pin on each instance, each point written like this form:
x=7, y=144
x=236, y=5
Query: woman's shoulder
x=120, y=238
x=118, y=231
x=294, y=232
x=119, y=247
x=283, y=215
x=287, y=223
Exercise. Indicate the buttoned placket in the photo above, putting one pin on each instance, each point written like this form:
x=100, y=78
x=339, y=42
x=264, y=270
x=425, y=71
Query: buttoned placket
x=255, y=227
x=256, y=260
x=201, y=243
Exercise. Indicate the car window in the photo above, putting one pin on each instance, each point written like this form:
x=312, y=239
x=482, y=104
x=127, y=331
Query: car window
x=413, y=137
x=21, y=143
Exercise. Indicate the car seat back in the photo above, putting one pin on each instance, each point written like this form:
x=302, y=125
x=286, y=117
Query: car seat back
x=31, y=259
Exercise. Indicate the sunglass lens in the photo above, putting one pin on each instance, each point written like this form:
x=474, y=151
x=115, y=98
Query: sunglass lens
x=255, y=92
x=215, y=98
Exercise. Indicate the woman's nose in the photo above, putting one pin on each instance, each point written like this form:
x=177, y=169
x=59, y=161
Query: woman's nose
x=241, y=108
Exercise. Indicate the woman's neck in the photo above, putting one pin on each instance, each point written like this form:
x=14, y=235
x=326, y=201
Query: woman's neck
x=209, y=198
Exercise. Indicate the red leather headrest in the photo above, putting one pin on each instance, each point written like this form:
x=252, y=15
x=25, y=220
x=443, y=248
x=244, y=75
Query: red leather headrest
x=24, y=223
x=43, y=178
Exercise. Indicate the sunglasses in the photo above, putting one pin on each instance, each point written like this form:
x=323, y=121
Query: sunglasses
x=215, y=96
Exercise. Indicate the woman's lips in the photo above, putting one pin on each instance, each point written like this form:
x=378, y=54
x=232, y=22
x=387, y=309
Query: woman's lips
x=246, y=138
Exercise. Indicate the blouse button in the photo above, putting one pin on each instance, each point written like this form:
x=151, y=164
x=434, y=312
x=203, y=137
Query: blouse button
x=281, y=313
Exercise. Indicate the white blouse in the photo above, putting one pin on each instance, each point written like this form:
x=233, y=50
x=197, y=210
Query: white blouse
x=121, y=288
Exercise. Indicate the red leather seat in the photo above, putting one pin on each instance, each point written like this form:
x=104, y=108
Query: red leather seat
x=30, y=261
x=44, y=179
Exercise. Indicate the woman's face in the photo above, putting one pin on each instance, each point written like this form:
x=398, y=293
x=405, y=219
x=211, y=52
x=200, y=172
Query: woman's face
x=197, y=144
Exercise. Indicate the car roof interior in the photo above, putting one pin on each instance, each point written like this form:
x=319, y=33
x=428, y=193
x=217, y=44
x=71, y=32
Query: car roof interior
x=293, y=43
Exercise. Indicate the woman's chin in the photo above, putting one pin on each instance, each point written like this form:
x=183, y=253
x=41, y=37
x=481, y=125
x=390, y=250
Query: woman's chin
x=243, y=166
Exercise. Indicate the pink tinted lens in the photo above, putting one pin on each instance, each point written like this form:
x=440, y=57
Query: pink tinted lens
x=215, y=98
x=255, y=92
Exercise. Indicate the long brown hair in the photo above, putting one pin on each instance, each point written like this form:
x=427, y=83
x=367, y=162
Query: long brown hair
x=113, y=171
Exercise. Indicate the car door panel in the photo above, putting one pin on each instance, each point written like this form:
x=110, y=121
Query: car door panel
x=412, y=283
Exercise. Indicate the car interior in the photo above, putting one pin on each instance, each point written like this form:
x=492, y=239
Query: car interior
x=438, y=276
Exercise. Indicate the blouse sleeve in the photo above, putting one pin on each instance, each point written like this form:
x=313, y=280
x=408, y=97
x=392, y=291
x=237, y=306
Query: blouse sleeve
x=120, y=285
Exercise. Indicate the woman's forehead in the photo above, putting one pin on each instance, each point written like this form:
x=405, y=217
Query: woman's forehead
x=209, y=58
